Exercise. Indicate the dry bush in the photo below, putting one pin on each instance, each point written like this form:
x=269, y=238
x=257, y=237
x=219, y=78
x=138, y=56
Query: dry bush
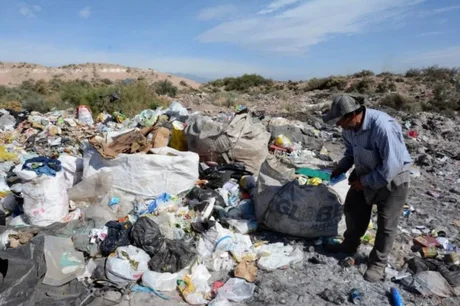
x=400, y=102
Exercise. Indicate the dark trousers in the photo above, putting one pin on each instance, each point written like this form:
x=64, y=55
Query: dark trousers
x=358, y=214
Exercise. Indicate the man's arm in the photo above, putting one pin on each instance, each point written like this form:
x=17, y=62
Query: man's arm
x=348, y=160
x=391, y=151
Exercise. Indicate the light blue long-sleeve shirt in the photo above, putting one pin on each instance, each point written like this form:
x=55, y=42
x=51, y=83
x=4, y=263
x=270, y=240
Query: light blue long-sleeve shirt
x=377, y=150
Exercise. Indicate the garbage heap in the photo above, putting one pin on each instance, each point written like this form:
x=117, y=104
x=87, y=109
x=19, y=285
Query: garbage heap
x=168, y=201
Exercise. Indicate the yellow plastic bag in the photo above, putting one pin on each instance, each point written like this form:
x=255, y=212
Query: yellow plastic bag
x=283, y=141
x=7, y=156
x=178, y=141
x=315, y=181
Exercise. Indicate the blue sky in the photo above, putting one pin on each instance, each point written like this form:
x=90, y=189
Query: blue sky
x=282, y=39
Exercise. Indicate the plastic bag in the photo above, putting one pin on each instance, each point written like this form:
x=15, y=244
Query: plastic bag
x=129, y=264
x=277, y=255
x=176, y=108
x=96, y=191
x=236, y=290
x=118, y=235
x=220, y=261
x=216, y=238
x=243, y=226
x=167, y=255
x=63, y=263
x=283, y=142
x=160, y=281
x=148, y=117
x=84, y=115
x=434, y=283
x=195, y=287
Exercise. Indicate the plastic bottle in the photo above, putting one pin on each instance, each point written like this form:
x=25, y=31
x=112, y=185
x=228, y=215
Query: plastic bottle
x=355, y=296
x=396, y=297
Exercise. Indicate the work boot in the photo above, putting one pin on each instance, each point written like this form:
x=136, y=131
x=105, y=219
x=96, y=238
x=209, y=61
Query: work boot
x=341, y=248
x=374, y=274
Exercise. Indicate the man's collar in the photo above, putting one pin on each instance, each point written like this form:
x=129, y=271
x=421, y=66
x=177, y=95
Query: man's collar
x=366, y=121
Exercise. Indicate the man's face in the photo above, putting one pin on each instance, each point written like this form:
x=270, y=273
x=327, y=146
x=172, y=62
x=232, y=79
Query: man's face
x=349, y=122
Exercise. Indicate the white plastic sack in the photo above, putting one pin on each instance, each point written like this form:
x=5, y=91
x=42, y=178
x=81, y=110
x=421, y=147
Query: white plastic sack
x=73, y=169
x=160, y=281
x=129, y=264
x=45, y=197
x=147, y=175
x=276, y=255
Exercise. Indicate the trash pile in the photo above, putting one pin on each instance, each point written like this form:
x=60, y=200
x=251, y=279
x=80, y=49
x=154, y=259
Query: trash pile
x=180, y=207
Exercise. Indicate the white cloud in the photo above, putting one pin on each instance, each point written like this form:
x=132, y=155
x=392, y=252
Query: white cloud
x=429, y=34
x=438, y=11
x=276, y=5
x=294, y=30
x=47, y=54
x=446, y=9
x=217, y=12
x=29, y=10
x=85, y=12
x=449, y=57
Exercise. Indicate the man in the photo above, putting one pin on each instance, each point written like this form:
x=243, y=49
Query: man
x=375, y=146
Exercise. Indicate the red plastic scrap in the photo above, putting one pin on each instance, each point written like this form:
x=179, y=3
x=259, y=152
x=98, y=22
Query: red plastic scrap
x=216, y=286
x=412, y=134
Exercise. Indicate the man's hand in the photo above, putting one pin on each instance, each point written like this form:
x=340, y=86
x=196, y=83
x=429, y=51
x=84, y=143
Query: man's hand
x=336, y=172
x=357, y=185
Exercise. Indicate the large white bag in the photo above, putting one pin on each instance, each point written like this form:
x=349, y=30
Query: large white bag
x=45, y=197
x=146, y=175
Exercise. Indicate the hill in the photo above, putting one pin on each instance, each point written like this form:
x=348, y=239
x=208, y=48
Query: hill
x=13, y=74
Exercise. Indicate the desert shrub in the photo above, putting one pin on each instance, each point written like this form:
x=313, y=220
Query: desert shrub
x=27, y=84
x=363, y=74
x=183, y=83
x=386, y=74
x=386, y=86
x=330, y=83
x=226, y=99
x=243, y=83
x=165, y=88
x=435, y=73
x=400, y=102
x=42, y=87
x=413, y=72
x=364, y=86
x=446, y=97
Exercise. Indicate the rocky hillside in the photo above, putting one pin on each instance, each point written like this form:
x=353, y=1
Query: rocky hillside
x=12, y=74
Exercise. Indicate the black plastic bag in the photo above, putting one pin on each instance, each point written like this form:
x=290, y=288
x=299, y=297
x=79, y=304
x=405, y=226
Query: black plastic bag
x=117, y=236
x=202, y=194
x=417, y=264
x=166, y=255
